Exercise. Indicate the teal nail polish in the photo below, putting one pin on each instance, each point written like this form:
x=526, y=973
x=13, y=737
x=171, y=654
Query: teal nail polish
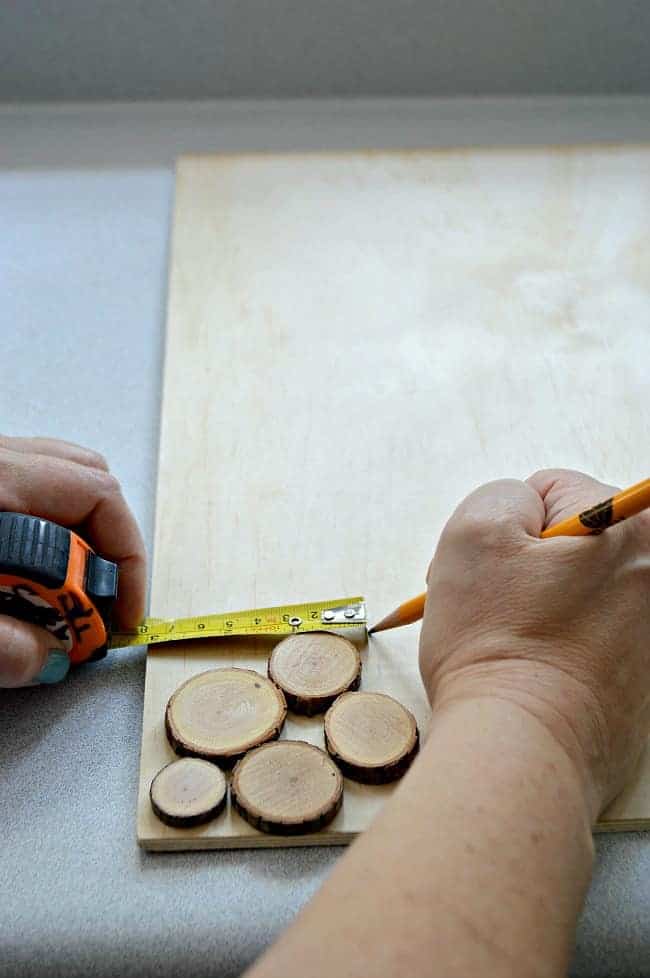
x=55, y=668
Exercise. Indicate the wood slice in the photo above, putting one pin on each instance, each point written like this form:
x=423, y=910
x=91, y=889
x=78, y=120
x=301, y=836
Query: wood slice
x=287, y=787
x=220, y=714
x=188, y=792
x=313, y=668
x=371, y=736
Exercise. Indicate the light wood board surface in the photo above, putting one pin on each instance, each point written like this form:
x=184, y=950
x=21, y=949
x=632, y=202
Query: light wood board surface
x=354, y=342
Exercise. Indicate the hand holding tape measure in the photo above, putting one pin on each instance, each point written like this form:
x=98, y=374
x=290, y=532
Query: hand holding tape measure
x=60, y=604
x=72, y=487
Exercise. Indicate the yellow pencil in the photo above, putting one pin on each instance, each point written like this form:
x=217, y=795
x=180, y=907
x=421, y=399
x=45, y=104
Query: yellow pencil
x=597, y=518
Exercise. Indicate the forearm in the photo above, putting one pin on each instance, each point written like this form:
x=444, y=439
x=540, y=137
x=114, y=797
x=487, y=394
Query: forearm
x=478, y=865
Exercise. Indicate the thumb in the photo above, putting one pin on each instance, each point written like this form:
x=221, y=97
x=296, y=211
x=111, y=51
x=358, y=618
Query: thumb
x=28, y=654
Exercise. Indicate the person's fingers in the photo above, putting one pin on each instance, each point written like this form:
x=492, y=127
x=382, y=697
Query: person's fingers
x=506, y=504
x=82, y=497
x=566, y=493
x=29, y=653
x=57, y=448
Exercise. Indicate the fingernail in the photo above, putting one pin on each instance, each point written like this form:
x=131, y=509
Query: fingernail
x=55, y=668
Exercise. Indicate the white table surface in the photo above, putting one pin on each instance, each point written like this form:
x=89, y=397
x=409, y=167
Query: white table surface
x=85, y=197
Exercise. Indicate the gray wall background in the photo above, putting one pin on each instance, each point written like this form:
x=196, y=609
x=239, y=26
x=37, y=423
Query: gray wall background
x=162, y=49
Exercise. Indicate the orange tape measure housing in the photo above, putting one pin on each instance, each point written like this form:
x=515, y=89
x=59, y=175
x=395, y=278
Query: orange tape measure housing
x=65, y=610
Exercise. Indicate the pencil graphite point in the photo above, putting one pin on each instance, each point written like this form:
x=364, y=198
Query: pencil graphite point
x=385, y=623
x=404, y=615
x=379, y=626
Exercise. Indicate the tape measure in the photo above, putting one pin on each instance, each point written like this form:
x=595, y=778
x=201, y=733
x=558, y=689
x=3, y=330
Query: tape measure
x=50, y=577
x=339, y=613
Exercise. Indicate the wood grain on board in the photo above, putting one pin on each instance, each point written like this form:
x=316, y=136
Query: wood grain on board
x=354, y=342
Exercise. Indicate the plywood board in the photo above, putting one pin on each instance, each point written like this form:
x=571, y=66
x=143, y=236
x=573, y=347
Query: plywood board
x=354, y=342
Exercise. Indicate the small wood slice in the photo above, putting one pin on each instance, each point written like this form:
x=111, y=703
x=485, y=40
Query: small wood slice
x=287, y=787
x=313, y=668
x=188, y=792
x=220, y=714
x=371, y=736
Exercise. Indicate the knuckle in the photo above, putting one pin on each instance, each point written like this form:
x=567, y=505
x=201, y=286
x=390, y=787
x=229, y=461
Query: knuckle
x=96, y=460
x=473, y=529
x=546, y=476
x=8, y=479
x=108, y=484
x=564, y=478
x=483, y=533
x=553, y=473
x=139, y=560
x=100, y=461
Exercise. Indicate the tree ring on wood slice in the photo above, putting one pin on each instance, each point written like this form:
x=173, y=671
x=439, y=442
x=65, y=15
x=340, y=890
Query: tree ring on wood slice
x=313, y=668
x=220, y=714
x=371, y=736
x=288, y=787
x=188, y=792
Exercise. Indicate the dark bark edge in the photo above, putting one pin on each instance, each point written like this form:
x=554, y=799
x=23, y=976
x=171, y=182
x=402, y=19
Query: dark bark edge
x=186, y=822
x=281, y=828
x=375, y=775
x=309, y=706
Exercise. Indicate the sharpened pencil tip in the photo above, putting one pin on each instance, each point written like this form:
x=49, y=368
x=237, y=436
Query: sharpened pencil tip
x=380, y=626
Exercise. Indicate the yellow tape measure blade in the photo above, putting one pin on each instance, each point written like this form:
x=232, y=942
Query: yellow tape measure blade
x=338, y=613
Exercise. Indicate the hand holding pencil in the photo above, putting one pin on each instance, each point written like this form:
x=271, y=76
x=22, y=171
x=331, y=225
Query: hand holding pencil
x=557, y=630
x=593, y=519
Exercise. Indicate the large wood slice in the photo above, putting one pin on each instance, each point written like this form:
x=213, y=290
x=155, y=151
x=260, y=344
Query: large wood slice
x=188, y=792
x=313, y=668
x=220, y=714
x=371, y=736
x=287, y=787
